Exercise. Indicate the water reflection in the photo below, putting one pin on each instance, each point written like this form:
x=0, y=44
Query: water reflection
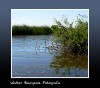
x=70, y=65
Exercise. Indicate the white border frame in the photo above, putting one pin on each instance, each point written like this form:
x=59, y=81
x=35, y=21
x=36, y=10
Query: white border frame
x=50, y=77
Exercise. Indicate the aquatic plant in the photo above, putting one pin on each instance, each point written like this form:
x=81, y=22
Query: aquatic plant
x=31, y=30
x=74, y=38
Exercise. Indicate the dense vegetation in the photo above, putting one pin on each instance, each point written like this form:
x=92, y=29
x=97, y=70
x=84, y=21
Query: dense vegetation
x=31, y=30
x=72, y=38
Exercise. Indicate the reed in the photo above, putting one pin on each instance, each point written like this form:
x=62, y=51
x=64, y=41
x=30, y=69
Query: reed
x=31, y=30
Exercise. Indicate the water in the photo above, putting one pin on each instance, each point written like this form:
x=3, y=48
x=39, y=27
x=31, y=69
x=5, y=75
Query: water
x=31, y=58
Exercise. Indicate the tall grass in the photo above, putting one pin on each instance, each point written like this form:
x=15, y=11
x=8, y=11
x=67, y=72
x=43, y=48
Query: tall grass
x=31, y=30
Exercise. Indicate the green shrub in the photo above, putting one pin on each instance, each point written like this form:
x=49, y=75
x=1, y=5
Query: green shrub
x=75, y=38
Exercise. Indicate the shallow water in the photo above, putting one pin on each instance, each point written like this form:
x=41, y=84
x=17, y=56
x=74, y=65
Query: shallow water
x=31, y=58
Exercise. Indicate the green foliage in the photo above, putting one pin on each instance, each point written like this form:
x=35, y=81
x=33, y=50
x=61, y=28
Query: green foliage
x=75, y=38
x=31, y=30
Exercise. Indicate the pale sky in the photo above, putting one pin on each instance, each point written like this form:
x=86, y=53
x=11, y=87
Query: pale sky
x=40, y=17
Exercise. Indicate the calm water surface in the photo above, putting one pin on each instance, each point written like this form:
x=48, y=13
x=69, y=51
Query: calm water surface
x=31, y=58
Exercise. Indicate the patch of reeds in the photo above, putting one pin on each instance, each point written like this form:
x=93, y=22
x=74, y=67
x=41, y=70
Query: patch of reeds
x=31, y=30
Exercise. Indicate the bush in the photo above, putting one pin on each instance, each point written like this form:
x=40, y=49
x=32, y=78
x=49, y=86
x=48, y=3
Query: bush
x=75, y=38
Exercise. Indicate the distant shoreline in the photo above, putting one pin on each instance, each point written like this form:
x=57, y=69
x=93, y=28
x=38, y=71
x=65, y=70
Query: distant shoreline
x=31, y=30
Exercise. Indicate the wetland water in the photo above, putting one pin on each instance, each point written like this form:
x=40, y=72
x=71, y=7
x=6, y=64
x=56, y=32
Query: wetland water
x=31, y=58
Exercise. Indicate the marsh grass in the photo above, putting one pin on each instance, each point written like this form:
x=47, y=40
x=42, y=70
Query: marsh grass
x=31, y=30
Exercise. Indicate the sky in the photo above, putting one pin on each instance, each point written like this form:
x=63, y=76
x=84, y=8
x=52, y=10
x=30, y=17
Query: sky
x=41, y=17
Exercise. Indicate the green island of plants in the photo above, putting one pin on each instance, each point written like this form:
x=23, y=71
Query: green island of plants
x=72, y=38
